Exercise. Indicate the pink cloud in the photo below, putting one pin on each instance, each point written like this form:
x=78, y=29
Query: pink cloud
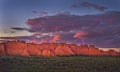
x=55, y=38
x=80, y=34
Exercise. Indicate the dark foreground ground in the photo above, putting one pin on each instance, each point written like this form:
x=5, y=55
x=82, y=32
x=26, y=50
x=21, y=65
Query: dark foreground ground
x=59, y=64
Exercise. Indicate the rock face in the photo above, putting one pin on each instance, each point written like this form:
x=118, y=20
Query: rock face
x=63, y=49
x=20, y=48
x=15, y=48
x=94, y=51
x=2, y=49
x=32, y=50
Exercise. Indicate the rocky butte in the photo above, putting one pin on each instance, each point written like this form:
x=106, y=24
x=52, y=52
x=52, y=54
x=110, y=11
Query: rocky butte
x=21, y=48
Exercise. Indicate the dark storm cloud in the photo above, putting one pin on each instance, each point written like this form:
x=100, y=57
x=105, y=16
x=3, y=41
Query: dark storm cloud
x=89, y=5
x=102, y=30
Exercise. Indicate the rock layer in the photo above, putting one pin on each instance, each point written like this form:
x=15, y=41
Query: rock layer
x=20, y=48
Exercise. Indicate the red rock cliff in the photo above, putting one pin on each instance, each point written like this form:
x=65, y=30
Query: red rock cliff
x=21, y=48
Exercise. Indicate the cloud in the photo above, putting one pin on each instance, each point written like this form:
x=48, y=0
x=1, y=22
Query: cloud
x=90, y=5
x=20, y=29
x=55, y=38
x=80, y=34
x=102, y=30
x=19, y=37
x=41, y=13
x=70, y=22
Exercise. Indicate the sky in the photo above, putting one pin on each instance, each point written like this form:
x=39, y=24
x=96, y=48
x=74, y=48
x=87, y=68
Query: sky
x=61, y=21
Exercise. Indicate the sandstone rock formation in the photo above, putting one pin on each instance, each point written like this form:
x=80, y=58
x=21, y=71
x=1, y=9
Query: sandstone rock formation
x=2, y=49
x=63, y=49
x=15, y=48
x=20, y=48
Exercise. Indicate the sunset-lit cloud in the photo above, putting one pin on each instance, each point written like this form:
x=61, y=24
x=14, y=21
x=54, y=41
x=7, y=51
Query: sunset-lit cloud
x=91, y=28
x=68, y=28
x=80, y=34
x=55, y=38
